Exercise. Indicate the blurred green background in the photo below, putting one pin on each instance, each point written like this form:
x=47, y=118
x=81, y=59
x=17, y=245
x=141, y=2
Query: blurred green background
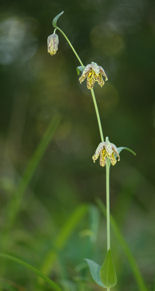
x=50, y=217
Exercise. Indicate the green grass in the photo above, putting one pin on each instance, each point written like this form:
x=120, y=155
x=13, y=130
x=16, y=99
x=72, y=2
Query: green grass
x=51, y=283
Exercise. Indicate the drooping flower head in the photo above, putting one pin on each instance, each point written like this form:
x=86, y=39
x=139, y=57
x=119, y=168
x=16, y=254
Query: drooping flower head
x=52, y=43
x=93, y=73
x=106, y=150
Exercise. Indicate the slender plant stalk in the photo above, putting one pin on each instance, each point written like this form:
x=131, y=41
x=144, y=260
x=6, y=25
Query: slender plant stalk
x=108, y=203
x=97, y=115
x=92, y=91
x=73, y=49
x=102, y=139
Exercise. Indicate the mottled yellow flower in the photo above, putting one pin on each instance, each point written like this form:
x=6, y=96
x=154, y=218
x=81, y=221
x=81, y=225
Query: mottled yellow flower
x=52, y=44
x=106, y=150
x=93, y=73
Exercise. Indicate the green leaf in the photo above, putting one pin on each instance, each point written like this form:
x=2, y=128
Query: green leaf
x=127, y=149
x=107, y=272
x=94, y=222
x=55, y=19
x=79, y=69
x=14, y=203
x=62, y=238
x=51, y=283
x=95, y=272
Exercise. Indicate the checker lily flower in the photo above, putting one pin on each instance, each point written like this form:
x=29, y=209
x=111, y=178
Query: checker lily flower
x=93, y=73
x=106, y=150
x=52, y=44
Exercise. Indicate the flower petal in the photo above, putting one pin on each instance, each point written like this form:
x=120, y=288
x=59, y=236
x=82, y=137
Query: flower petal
x=95, y=68
x=85, y=73
x=113, y=159
x=103, y=158
x=102, y=71
x=100, y=80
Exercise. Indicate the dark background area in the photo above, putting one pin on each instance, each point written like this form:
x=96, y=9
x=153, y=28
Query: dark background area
x=120, y=36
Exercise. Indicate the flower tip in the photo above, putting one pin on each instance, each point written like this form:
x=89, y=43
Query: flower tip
x=94, y=158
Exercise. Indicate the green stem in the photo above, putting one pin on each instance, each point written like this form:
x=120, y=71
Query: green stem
x=102, y=139
x=92, y=91
x=108, y=202
x=73, y=49
x=97, y=115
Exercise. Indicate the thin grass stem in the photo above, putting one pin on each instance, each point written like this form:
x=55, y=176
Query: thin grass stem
x=51, y=283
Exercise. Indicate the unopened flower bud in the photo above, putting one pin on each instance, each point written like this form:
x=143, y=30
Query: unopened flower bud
x=52, y=43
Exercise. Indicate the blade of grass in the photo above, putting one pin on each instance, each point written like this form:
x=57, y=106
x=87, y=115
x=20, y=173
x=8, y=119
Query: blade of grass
x=51, y=283
x=63, y=237
x=126, y=249
x=14, y=205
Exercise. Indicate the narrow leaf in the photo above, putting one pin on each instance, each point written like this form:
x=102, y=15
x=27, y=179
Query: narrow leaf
x=53, y=285
x=95, y=272
x=107, y=272
x=62, y=238
x=13, y=207
x=55, y=19
x=127, y=149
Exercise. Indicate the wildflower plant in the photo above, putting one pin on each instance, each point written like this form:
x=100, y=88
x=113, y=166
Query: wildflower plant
x=107, y=152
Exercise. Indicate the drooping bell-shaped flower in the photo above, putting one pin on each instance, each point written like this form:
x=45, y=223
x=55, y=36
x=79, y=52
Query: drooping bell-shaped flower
x=106, y=150
x=93, y=73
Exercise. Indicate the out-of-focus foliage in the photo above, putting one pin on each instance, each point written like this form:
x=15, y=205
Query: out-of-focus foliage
x=118, y=35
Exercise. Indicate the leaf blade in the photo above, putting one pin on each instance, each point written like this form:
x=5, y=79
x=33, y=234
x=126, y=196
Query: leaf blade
x=107, y=272
x=55, y=19
x=127, y=149
x=33, y=269
x=94, y=269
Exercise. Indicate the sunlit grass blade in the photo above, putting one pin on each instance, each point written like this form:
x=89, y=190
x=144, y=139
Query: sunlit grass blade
x=51, y=283
x=94, y=222
x=63, y=237
x=14, y=204
x=134, y=267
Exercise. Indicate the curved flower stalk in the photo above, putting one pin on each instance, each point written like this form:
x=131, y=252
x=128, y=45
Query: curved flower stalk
x=107, y=152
